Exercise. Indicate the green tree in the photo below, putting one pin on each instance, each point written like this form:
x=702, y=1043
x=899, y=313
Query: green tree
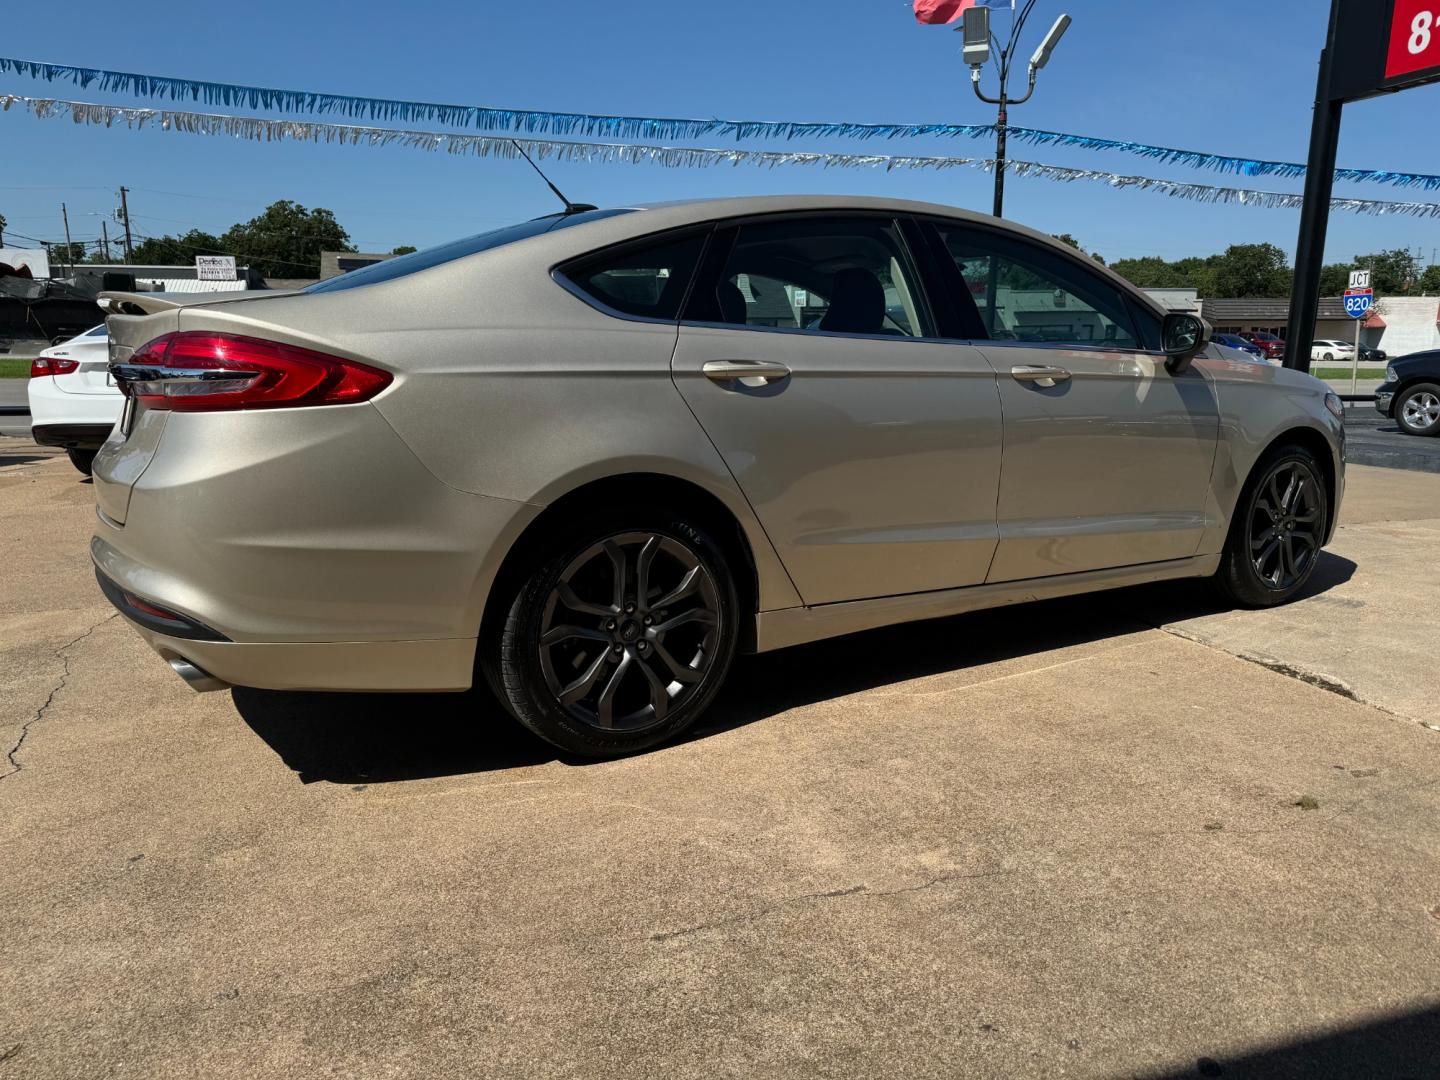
x=1335, y=278
x=403, y=249
x=1066, y=238
x=1149, y=272
x=67, y=254
x=1392, y=273
x=286, y=239
x=177, y=250
x=1246, y=270
x=1430, y=280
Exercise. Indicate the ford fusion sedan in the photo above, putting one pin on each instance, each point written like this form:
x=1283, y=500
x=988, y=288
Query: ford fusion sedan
x=585, y=460
x=73, y=398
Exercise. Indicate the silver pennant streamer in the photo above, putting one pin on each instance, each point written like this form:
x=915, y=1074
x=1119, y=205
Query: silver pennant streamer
x=257, y=128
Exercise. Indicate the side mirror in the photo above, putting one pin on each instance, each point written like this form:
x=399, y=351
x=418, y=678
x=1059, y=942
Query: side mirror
x=1182, y=338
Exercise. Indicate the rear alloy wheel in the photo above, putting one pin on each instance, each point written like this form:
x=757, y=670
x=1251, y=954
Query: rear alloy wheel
x=620, y=641
x=83, y=460
x=1279, y=525
x=1418, y=410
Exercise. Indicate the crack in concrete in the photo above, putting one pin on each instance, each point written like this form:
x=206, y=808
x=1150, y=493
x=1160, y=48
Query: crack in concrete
x=61, y=654
x=833, y=894
x=1318, y=679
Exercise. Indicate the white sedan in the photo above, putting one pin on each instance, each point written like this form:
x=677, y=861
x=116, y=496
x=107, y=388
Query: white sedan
x=1331, y=349
x=73, y=401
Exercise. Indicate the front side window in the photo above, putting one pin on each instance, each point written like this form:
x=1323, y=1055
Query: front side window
x=1024, y=293
x=827, y=275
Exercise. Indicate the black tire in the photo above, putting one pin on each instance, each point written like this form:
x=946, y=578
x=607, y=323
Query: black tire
x=1275, y=535
x=84, y=460
x=1423, y=402
x=1329, y=358
x=668, y=632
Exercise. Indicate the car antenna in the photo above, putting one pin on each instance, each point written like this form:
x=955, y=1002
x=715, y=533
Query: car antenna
x=570, y=208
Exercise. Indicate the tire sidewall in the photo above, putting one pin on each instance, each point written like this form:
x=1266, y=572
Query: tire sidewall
x=83, y=460
x=523, y=688
x=1421, y=388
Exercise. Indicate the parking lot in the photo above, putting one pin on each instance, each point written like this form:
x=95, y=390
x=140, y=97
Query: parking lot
x=1124, y=835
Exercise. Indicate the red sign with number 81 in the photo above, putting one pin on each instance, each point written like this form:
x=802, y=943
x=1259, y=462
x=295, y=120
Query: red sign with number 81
x=1414, y=37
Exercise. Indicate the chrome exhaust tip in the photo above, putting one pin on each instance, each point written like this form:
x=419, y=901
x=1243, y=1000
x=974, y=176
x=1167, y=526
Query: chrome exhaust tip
x=200, y=680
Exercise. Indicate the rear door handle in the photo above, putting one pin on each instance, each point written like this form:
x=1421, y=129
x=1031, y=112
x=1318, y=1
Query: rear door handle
x=726, y=370
x=1038, y=374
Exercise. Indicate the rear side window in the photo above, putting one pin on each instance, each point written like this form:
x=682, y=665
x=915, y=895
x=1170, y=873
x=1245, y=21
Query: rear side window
x=648, y=279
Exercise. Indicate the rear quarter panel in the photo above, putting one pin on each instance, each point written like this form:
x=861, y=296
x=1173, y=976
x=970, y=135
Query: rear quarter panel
x=508, y=386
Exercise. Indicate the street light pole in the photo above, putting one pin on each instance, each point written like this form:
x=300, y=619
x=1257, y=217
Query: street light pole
x=978, y=41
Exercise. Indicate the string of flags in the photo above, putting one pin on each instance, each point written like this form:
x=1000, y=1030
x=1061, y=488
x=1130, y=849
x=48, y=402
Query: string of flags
x=504, y=146
x=606, y=126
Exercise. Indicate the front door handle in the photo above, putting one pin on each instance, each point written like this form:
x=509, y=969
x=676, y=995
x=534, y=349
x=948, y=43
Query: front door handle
x=1038, y=374
x=726, y=370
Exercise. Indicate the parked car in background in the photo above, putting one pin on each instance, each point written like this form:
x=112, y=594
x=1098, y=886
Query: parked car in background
x=1273, y=347
x=1369, y=355
x=1331, y=349
x=1410, y=394
x=1235, y=341
x=74, y=401
x=587, y=458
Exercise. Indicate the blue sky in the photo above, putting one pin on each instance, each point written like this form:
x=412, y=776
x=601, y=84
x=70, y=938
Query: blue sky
x=1226, y=78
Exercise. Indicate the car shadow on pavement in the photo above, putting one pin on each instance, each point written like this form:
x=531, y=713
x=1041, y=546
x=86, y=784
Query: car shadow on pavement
x=382, y=738
x=1402, y=1047
x=769, y=683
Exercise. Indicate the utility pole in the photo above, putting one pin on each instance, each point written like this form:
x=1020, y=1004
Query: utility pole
x=978, y=42
x=125, y=216
x=105, y=239
x=69, y=250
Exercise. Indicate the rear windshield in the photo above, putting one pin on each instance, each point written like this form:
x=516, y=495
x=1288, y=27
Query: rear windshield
x=456, y=249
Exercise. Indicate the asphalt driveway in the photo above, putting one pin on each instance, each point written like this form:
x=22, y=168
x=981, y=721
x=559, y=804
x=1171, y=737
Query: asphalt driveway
x=1123, y=835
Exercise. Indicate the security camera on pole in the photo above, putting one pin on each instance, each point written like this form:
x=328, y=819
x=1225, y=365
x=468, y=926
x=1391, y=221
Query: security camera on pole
x=978, y=43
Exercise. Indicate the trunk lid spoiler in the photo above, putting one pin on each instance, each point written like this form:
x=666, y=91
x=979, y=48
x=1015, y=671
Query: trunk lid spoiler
x=151, y=303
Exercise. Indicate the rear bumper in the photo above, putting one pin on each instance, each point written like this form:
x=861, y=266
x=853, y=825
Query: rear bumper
x=207, y=660
x=53, y=411
x=312, y=545
x=318, y=665
x=72, y=436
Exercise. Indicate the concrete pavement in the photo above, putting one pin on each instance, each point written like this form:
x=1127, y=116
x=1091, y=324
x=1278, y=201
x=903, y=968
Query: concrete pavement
x=1120, y=835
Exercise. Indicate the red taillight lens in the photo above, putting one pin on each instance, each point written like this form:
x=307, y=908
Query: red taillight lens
x=51, y=365
x=198, y=371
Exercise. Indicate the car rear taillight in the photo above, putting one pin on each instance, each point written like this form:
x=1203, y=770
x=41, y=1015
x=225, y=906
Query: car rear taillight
x=200, y=371
x=51, y=365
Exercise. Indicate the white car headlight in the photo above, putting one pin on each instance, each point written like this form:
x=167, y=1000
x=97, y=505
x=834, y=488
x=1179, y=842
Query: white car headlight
x=1390, y=375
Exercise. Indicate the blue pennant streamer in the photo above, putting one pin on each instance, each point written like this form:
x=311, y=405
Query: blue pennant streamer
x=505, y=146
x=531, y=121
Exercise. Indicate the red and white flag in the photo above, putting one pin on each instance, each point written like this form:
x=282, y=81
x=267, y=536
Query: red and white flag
x=938, y=12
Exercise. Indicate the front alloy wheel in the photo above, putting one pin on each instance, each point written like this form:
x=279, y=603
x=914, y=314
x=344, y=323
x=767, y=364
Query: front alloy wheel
x=1279, y=525
x=621, y=640
x=1284, y=525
